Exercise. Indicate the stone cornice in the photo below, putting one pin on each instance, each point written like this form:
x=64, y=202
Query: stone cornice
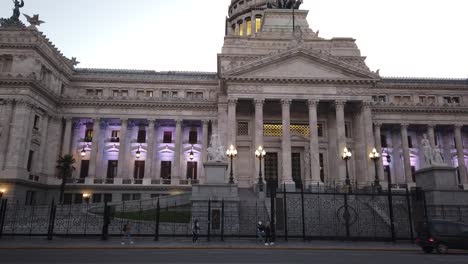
x=98, y=79
x=420, y=109
x=164, y=104
x=31, y=83
x=285, y=80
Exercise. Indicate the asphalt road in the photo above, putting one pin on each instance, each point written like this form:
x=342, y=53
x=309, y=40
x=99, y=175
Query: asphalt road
x=225, y=256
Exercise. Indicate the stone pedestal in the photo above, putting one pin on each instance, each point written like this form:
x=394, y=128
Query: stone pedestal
x=214, y=192
x=280, y=21
x=437, y=178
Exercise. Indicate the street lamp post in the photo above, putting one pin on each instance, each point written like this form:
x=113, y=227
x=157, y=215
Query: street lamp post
x=347, y=156
x=260, y=154
x=231, y=153
x=390, y=200
x=375, y=157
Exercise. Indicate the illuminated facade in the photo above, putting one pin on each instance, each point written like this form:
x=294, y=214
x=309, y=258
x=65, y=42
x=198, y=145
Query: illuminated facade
x=140, y=134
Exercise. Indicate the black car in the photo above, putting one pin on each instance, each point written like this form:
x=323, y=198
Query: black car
x=442, y=235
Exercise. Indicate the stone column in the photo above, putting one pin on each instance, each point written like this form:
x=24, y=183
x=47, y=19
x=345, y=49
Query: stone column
x=94, y=148
x=17, y=147
x=5, y=126
x=460, y=154
x=286, y=145
x=314, y=144
x=176, y=174
x=231, y=128
x=122, y=149
x=341, y=139
x=431, y=135
x=204, y=153
x=150, y=150
x=42, y=152
x=406, y=154
x=67, y=136
x=369, y=140
x=258, y=126
x=378, y=147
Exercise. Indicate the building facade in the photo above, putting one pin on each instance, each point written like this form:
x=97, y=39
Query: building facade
x=140, y=134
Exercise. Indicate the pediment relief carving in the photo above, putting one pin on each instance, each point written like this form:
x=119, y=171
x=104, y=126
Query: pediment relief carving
x=301, y=63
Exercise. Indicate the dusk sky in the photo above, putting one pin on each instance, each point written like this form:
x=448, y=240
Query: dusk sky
x=414, y=38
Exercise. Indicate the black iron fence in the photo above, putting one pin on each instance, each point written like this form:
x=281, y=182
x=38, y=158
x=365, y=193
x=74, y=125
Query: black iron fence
x=306, y=215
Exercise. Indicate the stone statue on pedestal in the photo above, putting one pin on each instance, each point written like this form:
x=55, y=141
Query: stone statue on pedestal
x=432, y=156
x=216, y=151
x=14, y=20
x=16, y=10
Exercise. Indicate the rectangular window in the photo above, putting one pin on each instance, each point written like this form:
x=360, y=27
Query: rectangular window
x=451, y=100
x=139, y=171
x=149, y=93
x=165, y=94
x=97, y=198
x=78, y=198
x=167, y=138
x=413, y=175
x=126, y=197
x=136, y=196
x=112, y=169
x=67, y=198
x=89, y=92
x=249, y=27
x=125, y=93
x=30, y=198
x=320, y=130
x=99, y=92
x=193, y=137
x=115, y=136
x=89, y=135
x=348, y=130
x=141, y=136
x=192, y=170
x=140, y=93
x=84, y=169
x=199, y=95
x=243, y=128
x=258, y=24
x=387, y=173
x=36, y=122
x=241, y=29
x=30, y=160
x=166, y=170
x=175, y=94
x=383, y=141
x=108, y=197
x=410, y=142
x=190, y=95
x=322, y=168
x=115, y=93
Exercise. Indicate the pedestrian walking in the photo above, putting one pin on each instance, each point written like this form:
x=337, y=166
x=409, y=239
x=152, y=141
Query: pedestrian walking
x=195, y=231
x=268, y=240
x=127, y=230
x=260, y=231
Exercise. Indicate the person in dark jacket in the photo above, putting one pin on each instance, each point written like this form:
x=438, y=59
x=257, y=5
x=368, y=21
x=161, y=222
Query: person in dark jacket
x=260, y=231
x=195, y=231
x=268, y=240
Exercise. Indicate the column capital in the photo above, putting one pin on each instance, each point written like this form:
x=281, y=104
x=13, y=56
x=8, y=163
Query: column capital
x=366, y=104
x=286, y=102
x=178, y=121
x=259, y=102
x=67, y=118
x=123, y=121
x=340, y=103
x=404, y=125
x=431, y=125
x=458, y=125
x=378, y=124
x=151, y=121
x=232, y=101
x=205, y=121
x=312, y=102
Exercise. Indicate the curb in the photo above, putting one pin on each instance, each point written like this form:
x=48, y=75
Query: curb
x=214, y=248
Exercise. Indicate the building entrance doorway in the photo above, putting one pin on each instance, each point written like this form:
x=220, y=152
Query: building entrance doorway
x=296, y=169
x=271, y=171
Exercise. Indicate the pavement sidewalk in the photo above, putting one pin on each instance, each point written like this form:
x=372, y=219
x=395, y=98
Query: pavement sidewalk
x=7, y=243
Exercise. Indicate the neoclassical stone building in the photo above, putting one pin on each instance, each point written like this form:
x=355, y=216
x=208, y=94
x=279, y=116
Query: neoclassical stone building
x=139, y=134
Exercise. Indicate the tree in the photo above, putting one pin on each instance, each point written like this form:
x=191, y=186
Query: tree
x=65, y=170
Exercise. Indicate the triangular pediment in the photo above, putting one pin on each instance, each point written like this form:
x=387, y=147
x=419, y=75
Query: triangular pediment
x=300, y=64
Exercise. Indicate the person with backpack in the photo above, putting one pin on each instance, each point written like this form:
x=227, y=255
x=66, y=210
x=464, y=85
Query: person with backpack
x=260, y=231
x=127, y=230
x=268, y=240
x=195, y=231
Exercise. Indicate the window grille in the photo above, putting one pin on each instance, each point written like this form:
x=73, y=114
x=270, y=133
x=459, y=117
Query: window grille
x=243, y=129
x=302, y=130
x=272, y=130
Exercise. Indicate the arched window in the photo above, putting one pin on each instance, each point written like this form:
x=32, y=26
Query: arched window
x=258, y=23
x=248, y=22
x=241, y=27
